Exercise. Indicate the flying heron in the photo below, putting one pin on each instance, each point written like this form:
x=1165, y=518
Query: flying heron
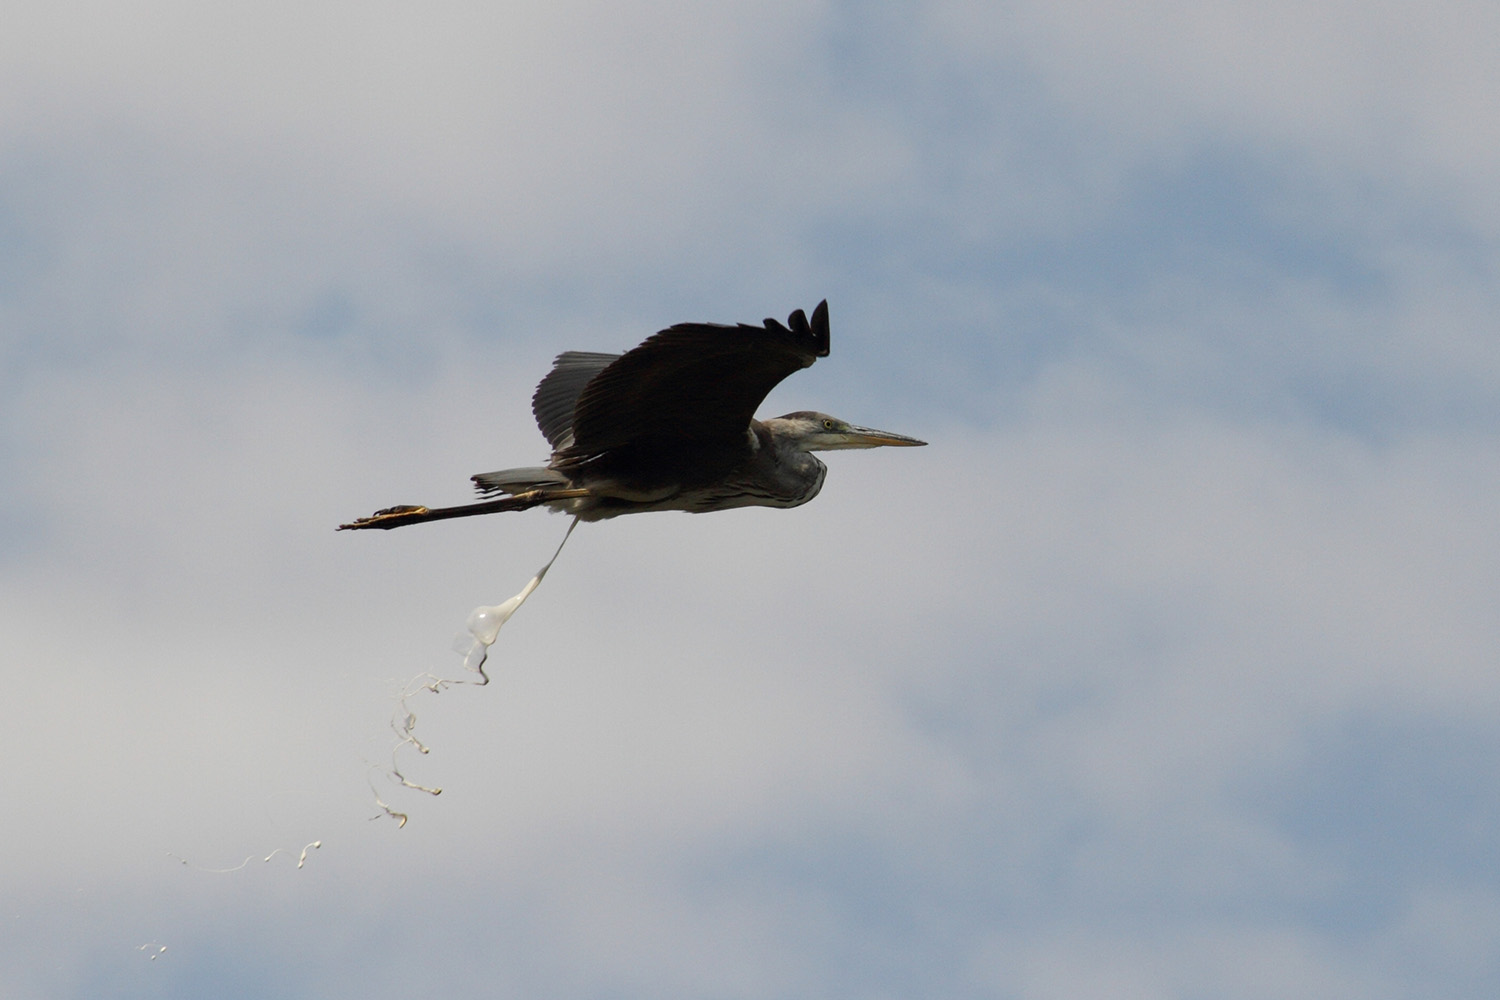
x=670, y=425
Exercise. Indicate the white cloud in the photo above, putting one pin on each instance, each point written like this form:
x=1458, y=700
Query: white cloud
x=554, y=136
x=1383, y=91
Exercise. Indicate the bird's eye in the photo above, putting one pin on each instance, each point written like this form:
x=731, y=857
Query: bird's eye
x=828, y=425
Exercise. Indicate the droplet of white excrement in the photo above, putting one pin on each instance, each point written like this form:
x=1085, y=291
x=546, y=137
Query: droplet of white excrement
x=485, y=622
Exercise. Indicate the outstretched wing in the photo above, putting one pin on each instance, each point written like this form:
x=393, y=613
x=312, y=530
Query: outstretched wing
x=557, y=394
x=693, y=383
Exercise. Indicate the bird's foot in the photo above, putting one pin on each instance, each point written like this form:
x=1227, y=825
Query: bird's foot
x=390, y=517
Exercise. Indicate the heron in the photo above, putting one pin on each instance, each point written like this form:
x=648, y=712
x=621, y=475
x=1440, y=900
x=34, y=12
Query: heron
x=670, y=425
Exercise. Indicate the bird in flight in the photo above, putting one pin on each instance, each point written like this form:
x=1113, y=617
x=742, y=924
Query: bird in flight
x=670, y=425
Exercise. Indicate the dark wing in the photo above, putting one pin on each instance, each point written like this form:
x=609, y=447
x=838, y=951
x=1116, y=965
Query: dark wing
x=557, y=394
x=695, y=382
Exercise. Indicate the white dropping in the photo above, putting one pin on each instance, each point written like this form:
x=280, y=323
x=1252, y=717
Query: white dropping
x=485, y=622
x=484, y=626
x=301, y=860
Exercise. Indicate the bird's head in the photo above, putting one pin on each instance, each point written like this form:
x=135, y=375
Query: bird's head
x=819, y=432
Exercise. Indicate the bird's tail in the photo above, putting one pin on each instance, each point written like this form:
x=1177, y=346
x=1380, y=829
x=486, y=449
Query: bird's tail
x=511, y=482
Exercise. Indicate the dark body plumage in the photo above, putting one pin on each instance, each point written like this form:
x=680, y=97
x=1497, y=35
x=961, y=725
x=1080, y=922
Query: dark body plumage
x=670, y=425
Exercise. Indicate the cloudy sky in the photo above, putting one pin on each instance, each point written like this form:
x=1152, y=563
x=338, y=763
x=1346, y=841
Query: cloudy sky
x=1168, y=669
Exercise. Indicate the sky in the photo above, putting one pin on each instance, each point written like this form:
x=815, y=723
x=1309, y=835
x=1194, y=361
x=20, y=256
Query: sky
x=1166, y=670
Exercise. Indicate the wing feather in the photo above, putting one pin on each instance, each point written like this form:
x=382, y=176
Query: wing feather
x=694, y=383
x=557, y=394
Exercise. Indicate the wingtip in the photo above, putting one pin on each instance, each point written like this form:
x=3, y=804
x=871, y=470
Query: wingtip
x=820, y=327
x=816, y=331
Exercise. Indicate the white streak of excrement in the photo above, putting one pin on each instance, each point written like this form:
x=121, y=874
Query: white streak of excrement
x=301, y=860
x=484, y=624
